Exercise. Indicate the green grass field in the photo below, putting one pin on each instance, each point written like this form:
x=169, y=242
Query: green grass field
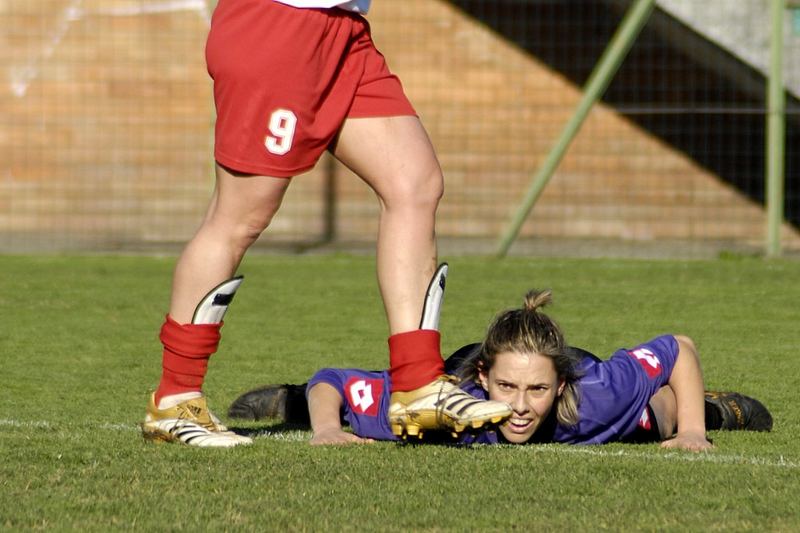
x=80, y=353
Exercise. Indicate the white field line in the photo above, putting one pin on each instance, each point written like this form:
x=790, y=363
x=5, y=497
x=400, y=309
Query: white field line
x=22, y=76
x=595, y=451
x=32, y=424
x=685, y=457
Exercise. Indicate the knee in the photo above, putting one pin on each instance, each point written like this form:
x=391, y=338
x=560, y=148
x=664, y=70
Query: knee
x=241, y=230
x=248, y=231
x=420, y=190
x=686, y=343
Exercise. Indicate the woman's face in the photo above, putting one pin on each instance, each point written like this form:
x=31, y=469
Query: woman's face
x=529, y=384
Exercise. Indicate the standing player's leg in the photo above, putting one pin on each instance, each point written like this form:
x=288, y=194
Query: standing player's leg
x=241, y=208
x=396, y=159
x=394, y=156
x=280, y=100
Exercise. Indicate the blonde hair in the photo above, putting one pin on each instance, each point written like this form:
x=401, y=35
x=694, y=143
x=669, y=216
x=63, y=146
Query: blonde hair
x=527, y=330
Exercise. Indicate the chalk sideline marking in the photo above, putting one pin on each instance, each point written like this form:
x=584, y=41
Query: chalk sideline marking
x=596, y=451
x=686, y=457
x=22, y=76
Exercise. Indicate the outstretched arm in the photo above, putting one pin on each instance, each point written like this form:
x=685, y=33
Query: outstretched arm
x=324, y=405
x=687, y=383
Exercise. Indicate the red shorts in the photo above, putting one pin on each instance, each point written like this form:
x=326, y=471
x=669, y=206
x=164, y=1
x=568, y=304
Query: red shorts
x=285, y=79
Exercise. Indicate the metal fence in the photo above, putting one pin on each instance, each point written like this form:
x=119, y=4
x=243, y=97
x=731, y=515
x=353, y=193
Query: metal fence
x=106, y=127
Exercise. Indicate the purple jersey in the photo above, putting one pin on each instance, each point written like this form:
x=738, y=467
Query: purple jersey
x=613, y=396
x=365, y=399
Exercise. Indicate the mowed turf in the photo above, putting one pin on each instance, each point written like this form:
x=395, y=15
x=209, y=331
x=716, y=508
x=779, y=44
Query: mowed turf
x=80, y=354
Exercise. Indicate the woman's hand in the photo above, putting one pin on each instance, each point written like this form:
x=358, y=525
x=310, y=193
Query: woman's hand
x=693, y=442
x=324, y=404
x=687, y=383
x=336, y=436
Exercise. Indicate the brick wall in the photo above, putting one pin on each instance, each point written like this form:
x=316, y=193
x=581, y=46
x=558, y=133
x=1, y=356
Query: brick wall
x=106, y=117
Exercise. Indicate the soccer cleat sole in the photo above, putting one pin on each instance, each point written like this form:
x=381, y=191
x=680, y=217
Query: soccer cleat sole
x=407, y=430
x=478, y=424
x=414, y=424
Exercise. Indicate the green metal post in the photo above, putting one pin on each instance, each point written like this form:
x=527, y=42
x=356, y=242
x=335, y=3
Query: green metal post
x=598, y=82
x=776, y=127
x=795, y=6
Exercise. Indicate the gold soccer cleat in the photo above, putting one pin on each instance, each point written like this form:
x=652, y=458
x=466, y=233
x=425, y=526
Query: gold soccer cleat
x=189, y=422
x=442, y=405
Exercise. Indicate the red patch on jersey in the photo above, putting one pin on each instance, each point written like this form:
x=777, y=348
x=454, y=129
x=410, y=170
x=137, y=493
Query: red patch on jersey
x=648, y=360
x=644, y=420
x=364, y=395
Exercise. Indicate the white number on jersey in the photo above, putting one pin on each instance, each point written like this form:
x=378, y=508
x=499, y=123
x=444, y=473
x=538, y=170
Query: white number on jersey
x=643, y=354
x=282, y=123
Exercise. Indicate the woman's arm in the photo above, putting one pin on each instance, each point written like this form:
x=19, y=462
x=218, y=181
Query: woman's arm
x=687, y=383
x=324, y=405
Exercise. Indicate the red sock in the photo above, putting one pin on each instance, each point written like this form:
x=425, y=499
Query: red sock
x=415, y=359
x=187, y=348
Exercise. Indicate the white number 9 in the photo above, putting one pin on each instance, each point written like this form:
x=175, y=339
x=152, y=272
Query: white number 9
x=282, y=124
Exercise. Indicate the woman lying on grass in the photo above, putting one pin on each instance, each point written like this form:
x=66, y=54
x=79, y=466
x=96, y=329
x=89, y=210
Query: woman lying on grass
x=651, y=393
